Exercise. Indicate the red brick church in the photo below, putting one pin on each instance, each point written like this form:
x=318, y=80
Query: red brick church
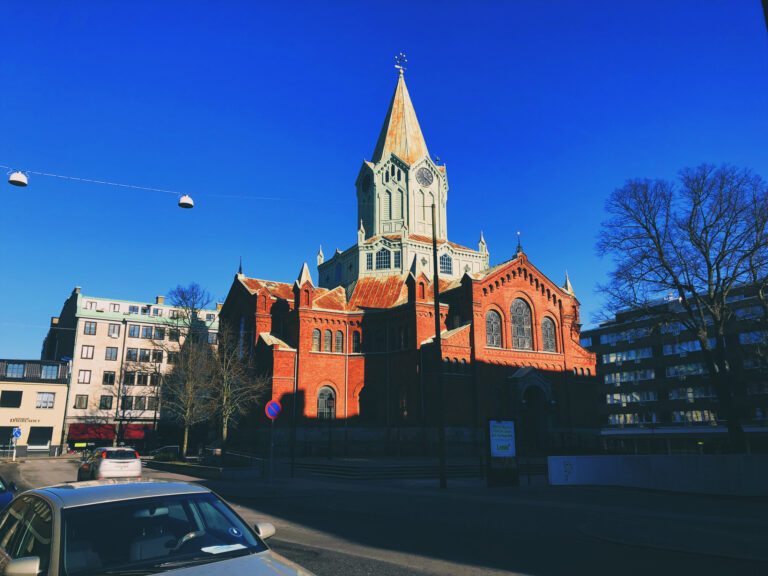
x=356, y=343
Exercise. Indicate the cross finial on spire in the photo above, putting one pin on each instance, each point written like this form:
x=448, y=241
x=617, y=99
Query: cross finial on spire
x=401, y=62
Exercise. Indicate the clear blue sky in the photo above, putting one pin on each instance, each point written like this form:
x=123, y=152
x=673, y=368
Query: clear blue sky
x=263, y=112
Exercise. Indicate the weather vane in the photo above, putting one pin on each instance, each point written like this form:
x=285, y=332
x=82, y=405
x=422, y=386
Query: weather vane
x=400, y=62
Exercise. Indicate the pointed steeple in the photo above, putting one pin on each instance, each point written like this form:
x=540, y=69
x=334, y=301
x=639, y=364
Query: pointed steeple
x=568, y=288
x=519, y=245
x=482, y=246
x=320, y=256
x=240, y=270
x=304, y=276
x=361, y=233
x=401, y=133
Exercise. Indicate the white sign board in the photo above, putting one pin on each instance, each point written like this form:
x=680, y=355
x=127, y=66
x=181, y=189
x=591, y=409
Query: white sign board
x=502, y=437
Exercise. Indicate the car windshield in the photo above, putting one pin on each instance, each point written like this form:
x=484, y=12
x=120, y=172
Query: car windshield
x=152, y=535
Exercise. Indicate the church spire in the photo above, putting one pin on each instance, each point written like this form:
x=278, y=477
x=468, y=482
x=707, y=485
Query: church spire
x=568, y=288
x=401, y=133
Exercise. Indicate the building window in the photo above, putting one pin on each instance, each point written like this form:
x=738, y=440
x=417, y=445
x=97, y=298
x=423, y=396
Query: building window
x=146, y=332
x=173, y=357
x=159, y=334
x=151, y=402
x=142, y=379
x=111, y=353
x=50, y=372
x=213, y=338
x=446, y=264
x=81, y=401
x=157, y=356
x=108, y=379
x=144, y=355
x=114, y=331
x=369, y=261
x=133, y=331
x=105, y=403
x=15, y=371
x=521, y=325
x=132, y=354
x=133, y=309
x=139, y=403
x=84, y=377
x=10, y=399
x=316, y=340
x=145, y=311
x=126, y=403
x=90, y=328
x=493, y=329
x=45, y=400
x=548, y=335
x=397, y=259
x=114, y=307
x=383, y=259
x=86, y=352
x=173, y=335
x=356, y=342
x=129, y=378
x=388, y=206
x=327, y=343
x=326, y=404
x=157, y=312
x=90, y=305
x=339, y=348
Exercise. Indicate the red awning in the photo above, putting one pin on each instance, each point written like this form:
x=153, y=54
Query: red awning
x=91, y=432
x=136, y=431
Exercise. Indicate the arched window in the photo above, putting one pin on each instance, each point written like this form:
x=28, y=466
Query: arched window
x=326, y=403
x=430, y=201
x=548, y=335
x=355, y=342
x=464, y=366
x=493, y=329
x=421, y=291
x=316, y=340
x=339, y=348
x=388, y=206
x=422, y=202
x=327, y=341
x=382, y=259
x=521, y=325
x=446, y=264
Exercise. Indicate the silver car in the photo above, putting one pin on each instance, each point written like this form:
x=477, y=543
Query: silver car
x=132, y=528
x=110, y=463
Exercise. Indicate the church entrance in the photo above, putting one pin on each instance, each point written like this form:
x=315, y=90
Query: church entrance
x=533, y=428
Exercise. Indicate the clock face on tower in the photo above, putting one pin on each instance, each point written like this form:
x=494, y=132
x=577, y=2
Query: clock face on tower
x=424, y=176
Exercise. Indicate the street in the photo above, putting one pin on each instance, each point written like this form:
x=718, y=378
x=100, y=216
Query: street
x=413, y=528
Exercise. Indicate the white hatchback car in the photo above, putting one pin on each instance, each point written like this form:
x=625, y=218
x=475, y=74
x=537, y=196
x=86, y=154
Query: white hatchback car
x=110, y=463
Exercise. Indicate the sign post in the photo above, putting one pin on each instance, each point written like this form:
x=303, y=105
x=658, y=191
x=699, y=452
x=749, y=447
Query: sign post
x=16, y=436
x=502, y=454
x=272, y=409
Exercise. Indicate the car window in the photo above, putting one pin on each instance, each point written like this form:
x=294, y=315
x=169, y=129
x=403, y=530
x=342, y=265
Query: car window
x=25, y=530
x=3, y=487
x=121, y=455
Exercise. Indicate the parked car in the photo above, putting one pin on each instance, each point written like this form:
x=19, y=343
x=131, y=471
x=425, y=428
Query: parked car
x=7, y=490
x=110, y=463
x=138, y=527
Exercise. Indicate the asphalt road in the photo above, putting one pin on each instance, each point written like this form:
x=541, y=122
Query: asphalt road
x=413, y=528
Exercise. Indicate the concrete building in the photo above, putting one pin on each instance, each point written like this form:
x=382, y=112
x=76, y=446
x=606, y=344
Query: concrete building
x=119, y=351
x=655, y=392
x=33, y=397
x=358, y=345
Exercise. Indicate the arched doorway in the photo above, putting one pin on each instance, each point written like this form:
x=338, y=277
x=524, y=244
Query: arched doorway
x=533, y=428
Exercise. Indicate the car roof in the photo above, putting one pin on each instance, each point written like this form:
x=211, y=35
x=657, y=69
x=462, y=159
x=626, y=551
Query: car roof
x=75, y=494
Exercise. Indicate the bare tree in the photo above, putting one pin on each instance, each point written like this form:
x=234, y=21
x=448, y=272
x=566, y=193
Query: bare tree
x=186, y=386
x=697, y=239
x=235, y=384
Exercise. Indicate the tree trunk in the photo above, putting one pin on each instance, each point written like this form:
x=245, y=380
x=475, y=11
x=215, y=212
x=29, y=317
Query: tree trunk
x=184, y=445
x=224, y=430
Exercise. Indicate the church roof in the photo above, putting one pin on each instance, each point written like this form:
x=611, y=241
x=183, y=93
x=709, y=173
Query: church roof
x=418, y=238
x=379, y=292
x=276, y=289
x=401, y=133
x=335, y=299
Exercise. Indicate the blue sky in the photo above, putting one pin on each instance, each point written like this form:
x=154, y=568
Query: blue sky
x=263, y=112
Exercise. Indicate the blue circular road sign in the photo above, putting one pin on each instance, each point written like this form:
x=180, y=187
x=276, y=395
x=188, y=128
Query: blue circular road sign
x=17, y=432
x=272, y=409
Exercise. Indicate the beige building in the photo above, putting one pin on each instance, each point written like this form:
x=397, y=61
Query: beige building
x=33, y=398
x=119, y=352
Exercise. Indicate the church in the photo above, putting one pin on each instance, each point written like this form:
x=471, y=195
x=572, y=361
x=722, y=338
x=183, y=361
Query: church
x=356, y=342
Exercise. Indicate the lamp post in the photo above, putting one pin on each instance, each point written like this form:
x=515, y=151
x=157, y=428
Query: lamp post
x=438, y=357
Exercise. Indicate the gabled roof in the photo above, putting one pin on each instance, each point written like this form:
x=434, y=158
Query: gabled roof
x=272, y=340
x=401, y=134
x=275, y=289
x=335, y=299
x=379, y=292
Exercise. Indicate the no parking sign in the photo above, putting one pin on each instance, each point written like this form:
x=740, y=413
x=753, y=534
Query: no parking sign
x=272, y=409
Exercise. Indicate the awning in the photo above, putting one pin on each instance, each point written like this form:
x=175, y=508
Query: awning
x=91, y=432
x=136, y=431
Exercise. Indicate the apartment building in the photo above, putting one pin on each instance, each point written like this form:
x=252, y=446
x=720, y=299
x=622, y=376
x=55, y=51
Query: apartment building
x=119, y=352
x=33, y=398
x=656, y=391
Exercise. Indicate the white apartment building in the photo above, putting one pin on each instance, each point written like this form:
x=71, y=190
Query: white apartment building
x=119, y=351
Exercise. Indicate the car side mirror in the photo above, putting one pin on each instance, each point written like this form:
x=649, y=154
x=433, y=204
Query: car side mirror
x=13, y=486
x=29, y=566
x=265, y=529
